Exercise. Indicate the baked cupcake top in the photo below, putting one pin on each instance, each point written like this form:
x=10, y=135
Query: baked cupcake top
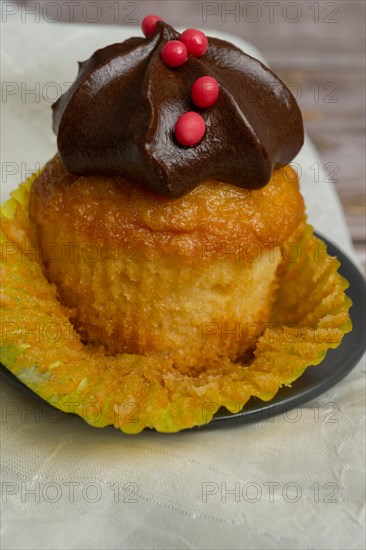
x=170, y=111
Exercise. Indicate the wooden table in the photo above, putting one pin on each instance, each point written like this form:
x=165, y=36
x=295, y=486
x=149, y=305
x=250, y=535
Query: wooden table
x=316, y=47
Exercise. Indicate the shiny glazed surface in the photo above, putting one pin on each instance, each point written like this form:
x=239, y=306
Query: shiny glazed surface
x=112, y=211
x=118, y=117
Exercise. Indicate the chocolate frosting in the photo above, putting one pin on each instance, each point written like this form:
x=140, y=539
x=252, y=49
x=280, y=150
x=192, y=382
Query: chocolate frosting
x=118, y=117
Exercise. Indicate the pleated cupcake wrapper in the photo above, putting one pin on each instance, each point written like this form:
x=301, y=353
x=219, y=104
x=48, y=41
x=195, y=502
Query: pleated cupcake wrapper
x=40, y=346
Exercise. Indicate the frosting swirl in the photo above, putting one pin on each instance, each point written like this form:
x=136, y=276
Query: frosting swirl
x=118, y=117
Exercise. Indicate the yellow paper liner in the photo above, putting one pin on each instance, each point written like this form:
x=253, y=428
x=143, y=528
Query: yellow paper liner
x=40, y=346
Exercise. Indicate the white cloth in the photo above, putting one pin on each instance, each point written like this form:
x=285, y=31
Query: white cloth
x=295, y=481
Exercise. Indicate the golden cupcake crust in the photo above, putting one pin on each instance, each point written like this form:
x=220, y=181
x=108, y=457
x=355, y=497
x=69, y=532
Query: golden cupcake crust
x=114, y=211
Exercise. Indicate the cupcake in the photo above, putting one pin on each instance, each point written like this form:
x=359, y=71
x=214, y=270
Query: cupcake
x=162, y=225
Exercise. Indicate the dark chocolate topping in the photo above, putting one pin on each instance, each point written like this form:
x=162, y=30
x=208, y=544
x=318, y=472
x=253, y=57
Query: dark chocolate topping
x=118, y=117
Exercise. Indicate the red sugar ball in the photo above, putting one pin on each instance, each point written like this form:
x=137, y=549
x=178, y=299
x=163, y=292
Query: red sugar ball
x=190, y=128
x=196, y=41
x=174, y=53
x=148, y=24
x=205, y=91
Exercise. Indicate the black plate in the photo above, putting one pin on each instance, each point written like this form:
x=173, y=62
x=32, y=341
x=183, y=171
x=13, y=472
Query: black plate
x=315, y=381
